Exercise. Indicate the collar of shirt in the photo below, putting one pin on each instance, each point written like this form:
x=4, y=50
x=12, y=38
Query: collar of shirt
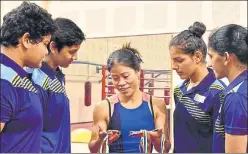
x=202, y=86
x=241, y=77
x=10, y=63
x=50, y=72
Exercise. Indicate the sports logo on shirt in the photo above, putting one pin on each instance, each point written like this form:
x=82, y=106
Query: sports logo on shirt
x=199, y=98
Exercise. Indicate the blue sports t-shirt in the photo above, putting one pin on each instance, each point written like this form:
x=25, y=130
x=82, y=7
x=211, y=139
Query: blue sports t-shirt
x=21, y=110
x=195, y=112
x=233, y=114
x=56, y=135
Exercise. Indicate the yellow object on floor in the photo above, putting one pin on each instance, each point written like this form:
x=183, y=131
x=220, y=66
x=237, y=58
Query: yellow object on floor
x=80, y=135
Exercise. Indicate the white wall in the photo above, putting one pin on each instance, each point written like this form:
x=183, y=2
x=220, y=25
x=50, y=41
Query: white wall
x=114, y=18
x=7, y=6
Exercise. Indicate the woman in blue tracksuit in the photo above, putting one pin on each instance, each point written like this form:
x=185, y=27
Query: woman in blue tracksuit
x=197, y=99
x=25, y=32
x=229, y=56
x=62, y=51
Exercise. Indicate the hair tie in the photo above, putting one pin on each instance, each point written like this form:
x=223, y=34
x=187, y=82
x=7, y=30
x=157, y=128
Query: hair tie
x=139, y=59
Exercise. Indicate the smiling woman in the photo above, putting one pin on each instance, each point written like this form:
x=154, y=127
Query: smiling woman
x=130, y=109
x=126, y=74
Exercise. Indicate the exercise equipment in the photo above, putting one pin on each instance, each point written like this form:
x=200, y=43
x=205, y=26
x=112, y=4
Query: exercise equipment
x=87, y=94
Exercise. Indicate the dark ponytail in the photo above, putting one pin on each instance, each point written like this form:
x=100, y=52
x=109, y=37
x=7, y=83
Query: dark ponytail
x=127, y=56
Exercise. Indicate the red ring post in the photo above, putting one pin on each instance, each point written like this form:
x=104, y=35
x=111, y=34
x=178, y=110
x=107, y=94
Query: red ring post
x=87, y=95
x=151, y=84
x=142, y=84
x=111, y=89
x=103, y=82
x=167, y=93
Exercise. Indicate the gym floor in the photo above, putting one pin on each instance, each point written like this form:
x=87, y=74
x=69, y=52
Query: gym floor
x=79, y=148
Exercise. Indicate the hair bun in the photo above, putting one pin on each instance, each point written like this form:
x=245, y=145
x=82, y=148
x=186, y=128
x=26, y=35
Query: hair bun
x=133, y=50
x=198, y=29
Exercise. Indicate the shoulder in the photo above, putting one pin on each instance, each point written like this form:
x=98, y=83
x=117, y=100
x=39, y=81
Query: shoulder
x=215, y=90
x=40, y=78
x=238, y=94
x=176, y=90
x=235, y=107
x=158, y=101
x=235, y=99
x=235, y=103
x=8, y=79
x=158, y=104
x=102, y=107
x=105, y=103
x=217, y=85
x=240, y=89
x=7, y=88
x=9, y=94
x=8, y=74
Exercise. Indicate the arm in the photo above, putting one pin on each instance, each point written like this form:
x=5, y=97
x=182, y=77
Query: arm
x=2, y=126
x=236, y=143
x=236, y=131
x=7, y=103
x=160, y=122
x=6, y=109
x=100, y=115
